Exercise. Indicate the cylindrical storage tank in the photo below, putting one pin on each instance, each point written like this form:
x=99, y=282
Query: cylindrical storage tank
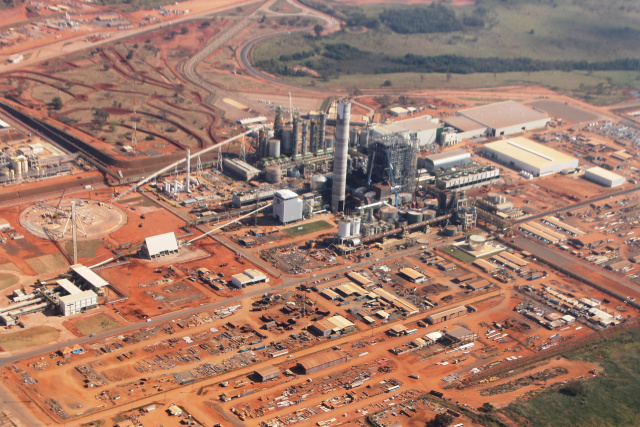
x=25, y=166
x=330, y=143
x=294, y=173
x=414, y=217
x=18, y=167
x=431, y=204
x=451, y=230
x=273, y=174
x=388, y=213
x=355, y=227
x=344, y=228
x=405, y=197
x=273, y=148
x=428, y=214
x=167, y=187
x=477, y=242
x=318, y=182
x=285, y=143
x=402, y=215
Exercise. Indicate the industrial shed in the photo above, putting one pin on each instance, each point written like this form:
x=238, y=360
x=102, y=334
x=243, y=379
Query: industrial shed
x=322, y=328
x=447, y=159
x=359, y=279
x=424, y=129
x=322, y=361
x=604, y=177
x=412, y=275
x=249, y=277
x=506, y=118
x=523, y=154
x=86, y=276
x=162, y=244
x=267, y=373
x=461, y=335
x=465, y=127
x=444, y=315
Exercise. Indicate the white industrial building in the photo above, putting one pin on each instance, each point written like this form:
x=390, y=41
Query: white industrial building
x=447, y=159
x=604, y=177
x=424, y=129
x=505, y=118
x=523, y=154
x=249, y=277
x=242, y=170
x=162, y=244
x=84, y=275
x=465, y=127
x=76, y=300
x=468, y=179
x=287, y=206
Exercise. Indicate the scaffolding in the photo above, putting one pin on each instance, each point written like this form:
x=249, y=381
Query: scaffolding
x=392, y=160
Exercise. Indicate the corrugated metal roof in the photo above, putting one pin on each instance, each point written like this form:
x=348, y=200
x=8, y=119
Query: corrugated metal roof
x=87, y=274
x=161, y=243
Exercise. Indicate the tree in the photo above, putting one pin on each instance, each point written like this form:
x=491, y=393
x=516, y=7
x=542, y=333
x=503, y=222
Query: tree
x=317, y=29
x=442, y=420
x=100, y=117
x=129, y=55
x=573, y=388
x=487, y=407
x=184, y=30
x=387, y=83
x=56, y=103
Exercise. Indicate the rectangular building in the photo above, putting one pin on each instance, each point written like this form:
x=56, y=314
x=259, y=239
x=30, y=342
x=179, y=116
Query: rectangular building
x=461, y=335
x=447, y=160
x=468, y=179
x=423, y=129
x=322, y=361
x=523, y=154
x=84, y=275
x=240, y=169
x=267, y=373
x=412, y=275
x=162, y=244
x=506, y=118
x=287, y=206
x=444, y=315
x=249, y=277
x=77, y=302
x=604, y=177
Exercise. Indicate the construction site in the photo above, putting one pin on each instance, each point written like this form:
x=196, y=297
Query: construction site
x=183, y=251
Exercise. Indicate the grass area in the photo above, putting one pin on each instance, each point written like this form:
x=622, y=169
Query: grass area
x=457, y=253
x=10, y=266
x=284, y=7
x=86, y=248
x=7, y=280
x=609, y=400
x=312, y=227
x=28, y=338
x=95, y=324
x=47, y=263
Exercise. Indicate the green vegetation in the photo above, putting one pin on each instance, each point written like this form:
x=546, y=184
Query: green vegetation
x=312, y=227
x=7, y=280
x=28, y=338
x=608, y=400
x=95, y=324
x=494, y=37
x=47, y=263
x=86, y=248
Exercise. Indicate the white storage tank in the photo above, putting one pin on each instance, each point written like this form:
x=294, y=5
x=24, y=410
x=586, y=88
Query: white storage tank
x=273, y=148
x=344, y=228
x=318, y=182
x=355, y=227
x=477, y=242
x=273, y=174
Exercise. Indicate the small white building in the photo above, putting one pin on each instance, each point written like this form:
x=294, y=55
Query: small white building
x=287, y=206
x=162, y=244
x=249, y=277
x=604, y=177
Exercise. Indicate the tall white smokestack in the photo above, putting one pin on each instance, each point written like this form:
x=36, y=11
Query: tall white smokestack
x=188, y=180
x=340, y=156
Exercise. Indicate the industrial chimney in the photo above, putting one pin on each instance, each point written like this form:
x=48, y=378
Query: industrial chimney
x=340, y=155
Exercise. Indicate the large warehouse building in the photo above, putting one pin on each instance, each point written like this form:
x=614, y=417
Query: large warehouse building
x=447, y=159
x=604, y=177
x=162, y=244
x=424, y=129
x=523, y=154
x=322, y=361
x=505, y=118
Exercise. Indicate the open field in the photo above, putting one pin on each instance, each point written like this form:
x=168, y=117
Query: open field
x=312, y=227
x=47, y=263
x=27, y=338
x=95, y=324
x=7, y=280
x=86, y=248
x=610, y=399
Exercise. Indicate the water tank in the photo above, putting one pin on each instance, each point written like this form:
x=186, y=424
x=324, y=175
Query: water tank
x=318, y=182
x=18, y=167
x=451, y=230
x=344, y=228
x=273, y=148
x=355, y=227
x=167, y=187
x=413, y=217
x=388, y=213
x=428, y=214
x=273, y=174
x=477, y=242
x=25, y=166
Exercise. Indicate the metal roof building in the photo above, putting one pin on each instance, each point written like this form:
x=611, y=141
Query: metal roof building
x=412, y=275
x=86, y=275
x=523, y=154
x=447, y=159
x=249, y=277
x=450, y=313
x=466, y=127
x=322, y=361
x=423, y=129
x=162, y=244
x=604, y=177
x=506, y=118
x=267, y=373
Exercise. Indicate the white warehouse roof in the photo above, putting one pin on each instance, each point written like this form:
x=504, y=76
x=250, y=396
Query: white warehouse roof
x=286, y=194
x=524, y=154
x=161, y=243
x=88, y=275
x=503, y=115
x=604, y=177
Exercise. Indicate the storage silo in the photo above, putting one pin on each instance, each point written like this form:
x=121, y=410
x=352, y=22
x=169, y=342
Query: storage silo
x=285, y=143
x=428, y=214
x=273, y=174
x=431, y=204
x=477, y=242
x=355, y=227
x=388, y=213
x=451, y=230
x=344, y=228
x=414, y=217
x=25, y=166
x=273, y=148
x=318, y=182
